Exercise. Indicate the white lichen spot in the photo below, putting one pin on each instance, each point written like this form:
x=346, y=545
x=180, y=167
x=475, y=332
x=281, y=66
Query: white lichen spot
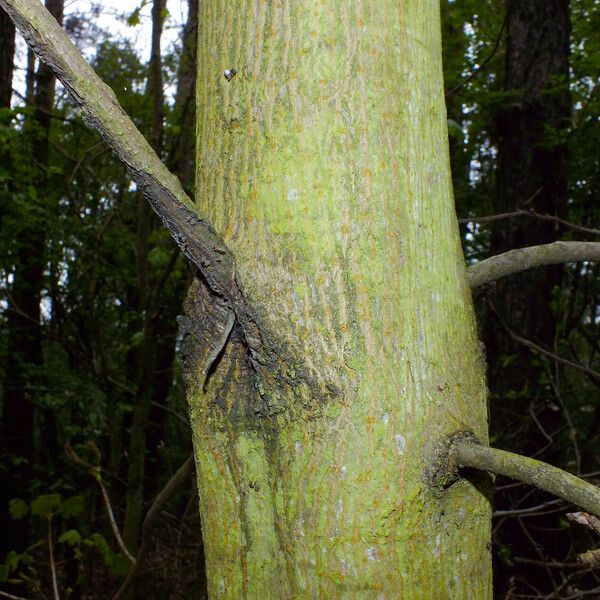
x=313, y=562
x=292, y=195
x=371, y=554
x=438, y=543
x=340, y=508
x=301, y=526
x=400, y=443
x=298, y=447
x=344, y=471
x=462, y=513
x=221, y=586
x=344, y=565
x=385, y=418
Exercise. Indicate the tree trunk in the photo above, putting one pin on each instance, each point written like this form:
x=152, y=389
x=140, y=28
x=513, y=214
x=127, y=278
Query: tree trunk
x=7, y=54
x=324, y=163
x=181, y=156
x=531, y=174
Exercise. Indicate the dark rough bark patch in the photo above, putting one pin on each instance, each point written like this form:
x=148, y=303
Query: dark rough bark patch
x=273, y=380
x=260, y=376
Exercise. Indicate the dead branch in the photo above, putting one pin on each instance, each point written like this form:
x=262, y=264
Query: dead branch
x=523, y=259
x=529, y=470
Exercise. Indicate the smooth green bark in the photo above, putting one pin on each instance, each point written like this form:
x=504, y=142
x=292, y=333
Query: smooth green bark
x=324, y=164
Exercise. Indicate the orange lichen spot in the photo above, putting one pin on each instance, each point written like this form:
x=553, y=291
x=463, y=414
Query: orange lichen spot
x=323, y=81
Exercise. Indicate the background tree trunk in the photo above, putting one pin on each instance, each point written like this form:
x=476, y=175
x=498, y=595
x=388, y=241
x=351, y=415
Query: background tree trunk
x=324, y=163
x=531, y=174
x=7, y=53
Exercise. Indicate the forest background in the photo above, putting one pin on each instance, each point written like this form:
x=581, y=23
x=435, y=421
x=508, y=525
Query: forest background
x=93, y=417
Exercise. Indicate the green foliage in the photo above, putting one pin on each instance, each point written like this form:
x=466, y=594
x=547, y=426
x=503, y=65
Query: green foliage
x=45, y=506
x=115, y=561
x=93, y=314
x=71, y=537
x=18, y=508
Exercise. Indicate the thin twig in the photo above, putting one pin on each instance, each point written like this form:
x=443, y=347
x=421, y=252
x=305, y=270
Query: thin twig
x=169, y=410
x=113, y=523
x=548, y=563
x=52, y=565
x=523, y=259
x=482, y=66
x=529, y=470
x=163, y=497
x=534, y=215
x=95, y=472
x=11, y=597
x=532, y=510
x=536, y=348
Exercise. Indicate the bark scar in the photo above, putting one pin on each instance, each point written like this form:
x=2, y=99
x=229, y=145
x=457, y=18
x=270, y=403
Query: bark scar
x=217, y=352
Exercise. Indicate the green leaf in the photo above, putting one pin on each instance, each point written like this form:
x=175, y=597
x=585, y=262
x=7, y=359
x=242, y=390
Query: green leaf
x=97, y=541
x=72, y=537
x=134, y=18
x=45, y=506
x=18, y=508
x=14, y=559
x=136, y=339
x=72, y=507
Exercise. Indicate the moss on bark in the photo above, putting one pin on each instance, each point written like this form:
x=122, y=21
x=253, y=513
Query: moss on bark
x=323, y=163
